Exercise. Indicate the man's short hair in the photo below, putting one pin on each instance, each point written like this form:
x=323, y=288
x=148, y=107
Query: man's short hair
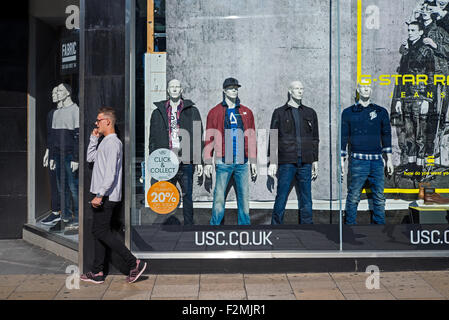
x=67, y=87
x=418, y=23
x=108, y=112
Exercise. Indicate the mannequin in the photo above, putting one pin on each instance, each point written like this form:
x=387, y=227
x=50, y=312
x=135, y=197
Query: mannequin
x=230, y=98
x=63, y=155
x=296, y=92
x=54, y=216
x=366, y=127
x=172, y=124
x=297, y=126
x=231, y=137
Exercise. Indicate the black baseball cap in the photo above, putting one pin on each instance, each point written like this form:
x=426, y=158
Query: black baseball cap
x=231, y=82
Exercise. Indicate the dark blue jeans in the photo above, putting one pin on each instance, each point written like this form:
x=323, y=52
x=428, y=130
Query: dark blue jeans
x=68, y=186
x=303, y=174
x=359, y=172
x=185, y=179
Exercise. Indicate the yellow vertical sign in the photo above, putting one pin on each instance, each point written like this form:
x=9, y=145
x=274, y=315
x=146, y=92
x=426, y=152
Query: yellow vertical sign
x=359, y=40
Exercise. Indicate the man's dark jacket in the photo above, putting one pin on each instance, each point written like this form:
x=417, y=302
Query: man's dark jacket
x=159, y=131
x=282, y=119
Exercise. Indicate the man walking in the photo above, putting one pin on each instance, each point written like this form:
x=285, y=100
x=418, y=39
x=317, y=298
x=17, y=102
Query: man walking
x=106, y=185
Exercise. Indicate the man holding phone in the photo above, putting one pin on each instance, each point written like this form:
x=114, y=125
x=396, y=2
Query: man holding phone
x=106, y=185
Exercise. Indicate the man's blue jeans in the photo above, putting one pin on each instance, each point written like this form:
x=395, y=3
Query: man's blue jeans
x=303, y=174
x=68, y=186
x=223, y=175
x=359, y=172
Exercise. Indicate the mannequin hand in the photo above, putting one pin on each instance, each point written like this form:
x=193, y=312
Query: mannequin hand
x=52, y=165
x=314, y=171
x=390, y=168
x=398, y=107
x=272, y=169
x=45, y=162
x=199, y=170
x=342, y=166
x=253, y=170
x=208, y=170
x=430, y=42
x=424, y=107
x=74, y=166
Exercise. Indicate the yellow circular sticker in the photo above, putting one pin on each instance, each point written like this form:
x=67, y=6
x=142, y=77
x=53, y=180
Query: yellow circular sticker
x=163, y=197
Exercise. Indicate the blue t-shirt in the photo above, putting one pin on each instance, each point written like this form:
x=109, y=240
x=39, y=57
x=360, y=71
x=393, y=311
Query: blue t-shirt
x=233, y=122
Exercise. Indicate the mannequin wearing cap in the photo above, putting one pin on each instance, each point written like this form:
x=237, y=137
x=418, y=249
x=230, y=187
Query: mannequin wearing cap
x=231, y=94
x=297, y=154
x=231, y=142
x=366, y=127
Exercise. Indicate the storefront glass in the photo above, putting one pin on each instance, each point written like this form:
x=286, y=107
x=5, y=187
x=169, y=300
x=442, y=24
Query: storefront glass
x=231, y=205
x=329, y=47
x=54, y=114
x=391, y=45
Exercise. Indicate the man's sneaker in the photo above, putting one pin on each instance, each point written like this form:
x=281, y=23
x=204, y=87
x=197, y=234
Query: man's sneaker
x=71, y=229
x=91, y=277
x=135, y=273
x=51, y=219
x=58, y=227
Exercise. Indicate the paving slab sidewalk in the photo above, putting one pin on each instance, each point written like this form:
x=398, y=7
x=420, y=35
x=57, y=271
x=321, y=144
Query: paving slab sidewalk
x=30, y=273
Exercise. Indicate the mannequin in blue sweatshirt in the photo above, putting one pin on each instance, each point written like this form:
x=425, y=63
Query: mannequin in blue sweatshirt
x=365, y=127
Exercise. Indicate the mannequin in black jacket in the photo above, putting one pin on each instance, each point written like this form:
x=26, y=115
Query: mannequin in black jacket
x=176, y=125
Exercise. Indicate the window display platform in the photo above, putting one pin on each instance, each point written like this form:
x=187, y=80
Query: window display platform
x=64, y=246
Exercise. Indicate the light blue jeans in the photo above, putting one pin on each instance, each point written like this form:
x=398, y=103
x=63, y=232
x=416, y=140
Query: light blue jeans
x=223, y=175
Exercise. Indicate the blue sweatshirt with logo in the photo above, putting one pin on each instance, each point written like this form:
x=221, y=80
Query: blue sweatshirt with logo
x=366, y=129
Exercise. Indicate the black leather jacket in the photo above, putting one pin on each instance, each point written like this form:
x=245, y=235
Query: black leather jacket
x=287, y=151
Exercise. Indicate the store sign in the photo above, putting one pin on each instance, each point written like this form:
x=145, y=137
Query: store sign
x=163, y=164
x=163, y=197
x=69, y=56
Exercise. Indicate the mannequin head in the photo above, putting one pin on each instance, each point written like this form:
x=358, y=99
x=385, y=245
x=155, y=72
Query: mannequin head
x=231, y=88
x=296, y=90
x=64, y=91
x=174, y=89
x=105, y=121
x=364, y=90
x=54, y=95
x=231, y=92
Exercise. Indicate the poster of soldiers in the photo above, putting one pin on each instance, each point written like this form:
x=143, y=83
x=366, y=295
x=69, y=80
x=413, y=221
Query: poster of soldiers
x=415, y=89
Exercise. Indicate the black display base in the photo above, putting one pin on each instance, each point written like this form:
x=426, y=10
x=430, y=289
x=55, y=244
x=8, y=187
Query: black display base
x=309, y=265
